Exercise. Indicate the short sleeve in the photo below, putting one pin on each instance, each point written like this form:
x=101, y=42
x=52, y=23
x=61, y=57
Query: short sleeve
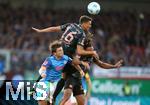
x=47, y=62
x=81, y=41
x=69, y=60
x=63, y=27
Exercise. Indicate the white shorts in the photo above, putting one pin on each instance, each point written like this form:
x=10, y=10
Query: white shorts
x=45, y=90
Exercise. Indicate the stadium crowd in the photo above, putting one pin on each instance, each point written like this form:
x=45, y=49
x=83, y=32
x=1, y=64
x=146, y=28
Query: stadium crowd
x=117, y=35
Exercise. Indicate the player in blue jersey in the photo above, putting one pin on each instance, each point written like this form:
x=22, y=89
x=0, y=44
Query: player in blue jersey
x=51, y=70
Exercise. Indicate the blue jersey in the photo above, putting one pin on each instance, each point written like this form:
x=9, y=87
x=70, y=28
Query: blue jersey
x=54, y=67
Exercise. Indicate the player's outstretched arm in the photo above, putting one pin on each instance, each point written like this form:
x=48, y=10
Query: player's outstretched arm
x=107, y=65
x=119, y=63
x=49, y=29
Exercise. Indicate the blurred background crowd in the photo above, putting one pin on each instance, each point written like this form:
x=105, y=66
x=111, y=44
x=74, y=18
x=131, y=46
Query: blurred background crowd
x=117, y=35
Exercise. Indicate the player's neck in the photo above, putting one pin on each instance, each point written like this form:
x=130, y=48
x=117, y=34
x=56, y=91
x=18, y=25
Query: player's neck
x=83, y=27
x=58, y=58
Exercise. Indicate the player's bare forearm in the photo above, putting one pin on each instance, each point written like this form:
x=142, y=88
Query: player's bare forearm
x=81, y=51
x=107, y=65
x=49, y=29
x=103, y=65
x=79, y=69
x=84, y=52
x=76, y=61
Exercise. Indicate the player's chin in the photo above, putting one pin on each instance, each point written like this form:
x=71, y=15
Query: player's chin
x=61, y=54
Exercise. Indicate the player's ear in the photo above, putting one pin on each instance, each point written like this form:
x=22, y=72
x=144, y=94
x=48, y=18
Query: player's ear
x=54, y=53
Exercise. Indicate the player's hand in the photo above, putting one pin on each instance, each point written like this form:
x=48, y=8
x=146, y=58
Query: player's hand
x=35, y=29
x=87, y=66
x=118, y=64
x=75, y=61
x=43, y=75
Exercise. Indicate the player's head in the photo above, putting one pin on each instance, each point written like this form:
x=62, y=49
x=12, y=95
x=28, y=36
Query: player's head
x=86, y=22
x=56, y=49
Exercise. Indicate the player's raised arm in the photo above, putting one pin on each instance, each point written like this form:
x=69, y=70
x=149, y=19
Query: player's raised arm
x=49, y=29
x=107, y=65
x=81, y=51
x=52, y=29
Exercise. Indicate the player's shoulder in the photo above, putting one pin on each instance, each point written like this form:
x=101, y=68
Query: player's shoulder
x=71, y=25
x=68, y=24
x=65, y=57
x=76, y=25
x=51, y=57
